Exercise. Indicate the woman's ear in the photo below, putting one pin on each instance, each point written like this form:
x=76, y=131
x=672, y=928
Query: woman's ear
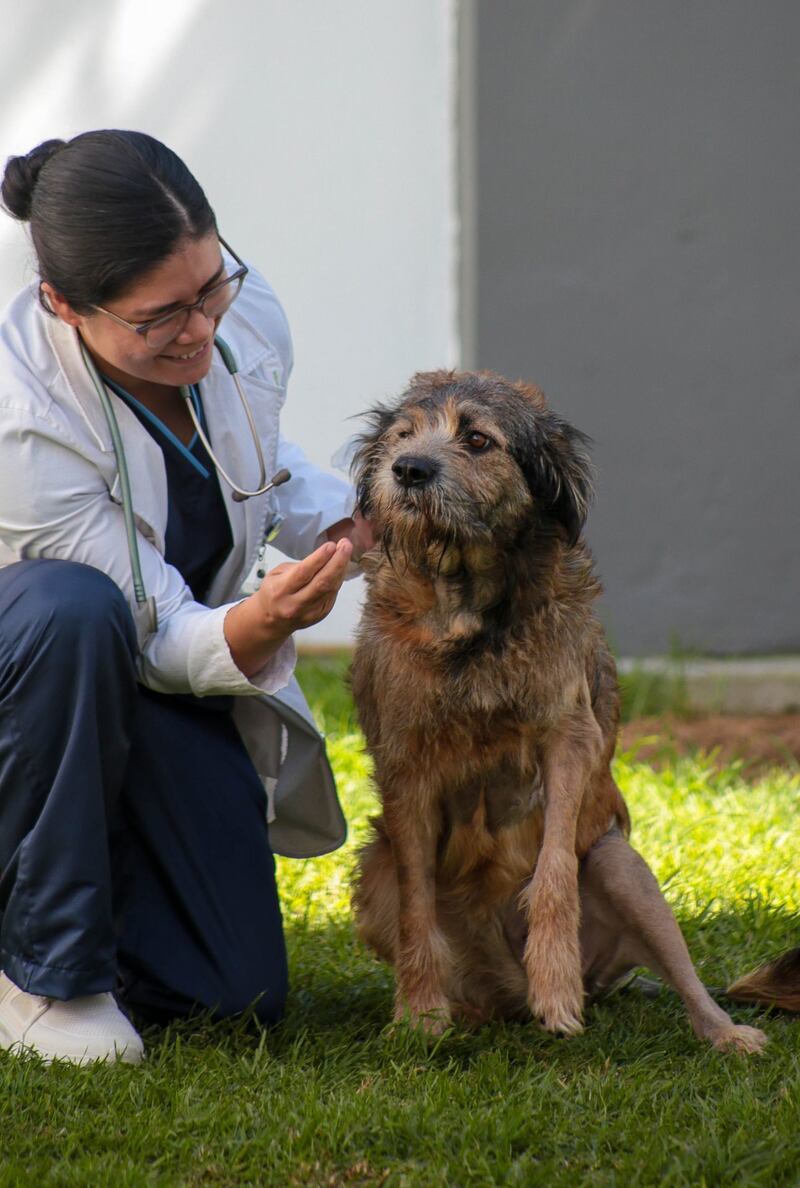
x=59, y=305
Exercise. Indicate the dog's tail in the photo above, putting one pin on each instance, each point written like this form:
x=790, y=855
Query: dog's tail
x=775, y=984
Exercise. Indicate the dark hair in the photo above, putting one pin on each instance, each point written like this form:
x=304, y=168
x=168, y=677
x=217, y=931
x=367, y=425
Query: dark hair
x=104, y=209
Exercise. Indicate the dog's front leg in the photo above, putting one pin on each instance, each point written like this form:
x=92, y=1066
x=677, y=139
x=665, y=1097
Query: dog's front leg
x=421, y=958
x=551, y=900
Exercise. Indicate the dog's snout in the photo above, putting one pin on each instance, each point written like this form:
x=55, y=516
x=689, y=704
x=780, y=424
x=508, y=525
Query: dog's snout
x=411, y=470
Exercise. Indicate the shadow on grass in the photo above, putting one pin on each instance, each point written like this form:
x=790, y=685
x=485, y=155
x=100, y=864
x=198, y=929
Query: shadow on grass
x=340, y=992
x=340, y=1009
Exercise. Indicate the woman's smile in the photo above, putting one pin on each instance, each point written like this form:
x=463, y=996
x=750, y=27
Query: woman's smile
x=196, y=355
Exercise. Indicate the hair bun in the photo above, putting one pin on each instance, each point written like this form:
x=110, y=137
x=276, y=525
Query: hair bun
x=21, y=176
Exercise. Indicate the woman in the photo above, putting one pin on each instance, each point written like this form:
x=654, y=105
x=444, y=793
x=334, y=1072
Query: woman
x=149, y=726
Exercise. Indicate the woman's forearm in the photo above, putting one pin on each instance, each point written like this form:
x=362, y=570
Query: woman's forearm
x=252, y=638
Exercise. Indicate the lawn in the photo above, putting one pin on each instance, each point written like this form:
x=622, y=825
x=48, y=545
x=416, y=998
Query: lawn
x=334, y=1096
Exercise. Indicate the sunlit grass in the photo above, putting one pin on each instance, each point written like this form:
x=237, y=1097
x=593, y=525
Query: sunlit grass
x=334, y=1096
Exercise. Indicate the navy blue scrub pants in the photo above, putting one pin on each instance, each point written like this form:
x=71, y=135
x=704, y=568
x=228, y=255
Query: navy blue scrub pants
x=134, y=853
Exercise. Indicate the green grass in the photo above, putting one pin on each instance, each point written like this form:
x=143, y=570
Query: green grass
x=334, y=1096
x=643, y=694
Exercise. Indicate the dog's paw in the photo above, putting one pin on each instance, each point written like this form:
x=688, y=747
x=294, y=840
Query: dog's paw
x=431, y=1019
x=555, y=999
x=739, y=1038
x=562, y=1015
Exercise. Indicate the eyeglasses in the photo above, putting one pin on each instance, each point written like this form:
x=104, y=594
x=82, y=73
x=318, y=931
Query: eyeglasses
x=213, y=304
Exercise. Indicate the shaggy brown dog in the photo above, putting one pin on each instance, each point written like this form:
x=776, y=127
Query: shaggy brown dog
x=499, y=880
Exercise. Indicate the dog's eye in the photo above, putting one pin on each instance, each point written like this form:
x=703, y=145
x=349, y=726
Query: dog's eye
x=478, y=441
x=404, y=433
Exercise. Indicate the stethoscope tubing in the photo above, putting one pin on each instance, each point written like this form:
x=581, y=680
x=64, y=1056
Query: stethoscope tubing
x=239, y=493
x=124, y=480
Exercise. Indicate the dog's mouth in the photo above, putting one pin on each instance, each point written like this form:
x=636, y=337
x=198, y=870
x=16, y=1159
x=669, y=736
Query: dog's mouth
x=415, y=499
x=414, y=518
x=412, y=513
x=424, y=500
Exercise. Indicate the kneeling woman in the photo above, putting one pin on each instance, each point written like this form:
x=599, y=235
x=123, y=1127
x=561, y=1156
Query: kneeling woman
x=150, y=728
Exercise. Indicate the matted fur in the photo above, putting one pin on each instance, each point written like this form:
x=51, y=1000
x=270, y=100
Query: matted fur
x=498, y=881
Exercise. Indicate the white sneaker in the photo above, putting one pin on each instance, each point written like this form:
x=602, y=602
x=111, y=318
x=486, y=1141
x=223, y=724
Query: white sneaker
x=79, y=1030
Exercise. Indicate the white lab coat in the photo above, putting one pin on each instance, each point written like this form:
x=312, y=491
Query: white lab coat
x=60, y=498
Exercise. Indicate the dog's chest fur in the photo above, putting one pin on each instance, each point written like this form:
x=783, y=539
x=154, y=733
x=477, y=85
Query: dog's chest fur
x=430, y=659
x=458, y=704
x=496, y=797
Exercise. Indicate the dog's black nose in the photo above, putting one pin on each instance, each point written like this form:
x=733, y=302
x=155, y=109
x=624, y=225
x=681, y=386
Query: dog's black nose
x=412, y=471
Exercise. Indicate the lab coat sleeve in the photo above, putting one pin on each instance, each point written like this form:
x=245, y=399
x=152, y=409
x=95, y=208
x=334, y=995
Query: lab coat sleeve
x=54, y=503
x=312, y=502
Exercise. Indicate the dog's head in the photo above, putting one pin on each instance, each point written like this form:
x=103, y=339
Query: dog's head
x=470, y=457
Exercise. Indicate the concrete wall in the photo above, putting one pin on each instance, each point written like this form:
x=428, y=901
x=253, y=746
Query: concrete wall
x=323, y=134
x=636, y=251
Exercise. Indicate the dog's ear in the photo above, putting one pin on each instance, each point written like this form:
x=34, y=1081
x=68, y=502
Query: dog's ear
x=555, y=461
x=365, y=458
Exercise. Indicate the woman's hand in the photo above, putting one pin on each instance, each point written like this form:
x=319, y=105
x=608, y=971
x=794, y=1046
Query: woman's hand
x=357, y=530
x=294, y=594
x=300, y=593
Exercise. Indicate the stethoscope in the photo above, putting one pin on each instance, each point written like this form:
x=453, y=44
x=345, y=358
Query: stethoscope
x=145, y=605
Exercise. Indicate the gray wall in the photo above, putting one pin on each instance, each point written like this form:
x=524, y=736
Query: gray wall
x=635, y=250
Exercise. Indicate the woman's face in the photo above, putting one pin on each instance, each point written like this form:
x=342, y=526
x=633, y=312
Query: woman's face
x=122, y=354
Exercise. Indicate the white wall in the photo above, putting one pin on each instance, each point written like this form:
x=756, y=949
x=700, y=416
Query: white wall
x=323, y=133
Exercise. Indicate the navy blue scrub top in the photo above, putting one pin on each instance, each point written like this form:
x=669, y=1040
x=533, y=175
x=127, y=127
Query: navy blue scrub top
x=198, y=537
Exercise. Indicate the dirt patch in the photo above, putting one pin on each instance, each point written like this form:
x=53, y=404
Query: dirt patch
x=760, y=742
